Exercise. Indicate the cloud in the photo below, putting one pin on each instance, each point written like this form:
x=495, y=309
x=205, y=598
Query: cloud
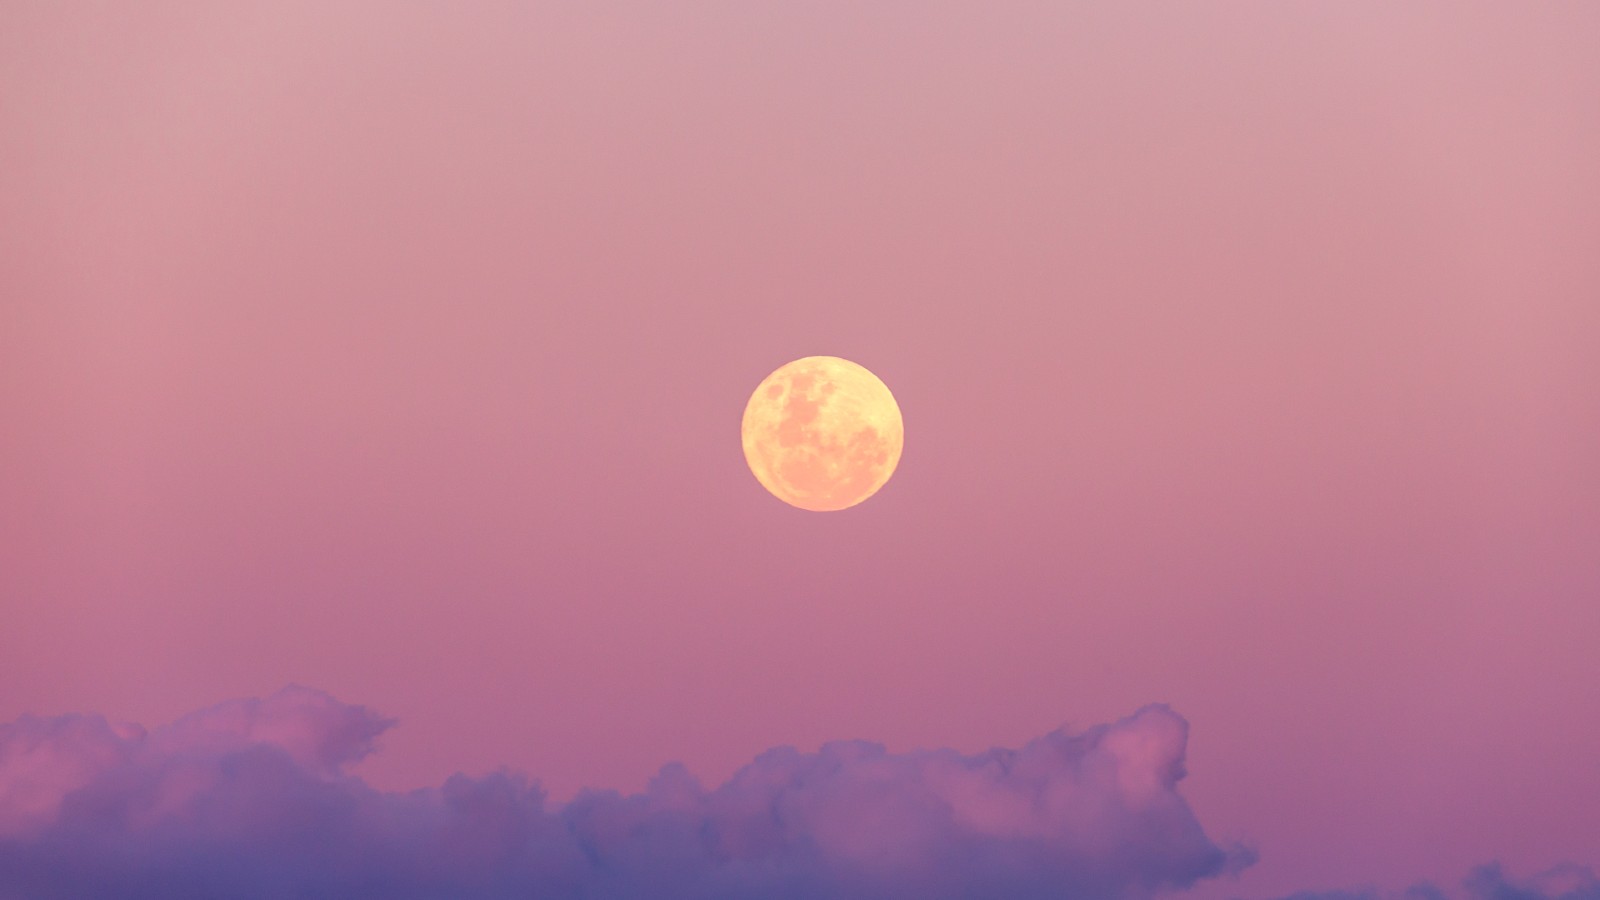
x=1487, y=882
x=252, y=799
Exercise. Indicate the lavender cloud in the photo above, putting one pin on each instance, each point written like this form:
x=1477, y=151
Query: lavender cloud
x=253, y=799
x=1487, y=882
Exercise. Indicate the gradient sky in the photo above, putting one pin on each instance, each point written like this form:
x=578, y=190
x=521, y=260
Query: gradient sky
x=1247, y=353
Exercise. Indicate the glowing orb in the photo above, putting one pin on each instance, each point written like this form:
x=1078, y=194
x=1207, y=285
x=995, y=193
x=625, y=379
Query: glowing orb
x=822, y=433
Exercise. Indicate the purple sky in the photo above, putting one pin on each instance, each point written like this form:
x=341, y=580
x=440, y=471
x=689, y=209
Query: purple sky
x=1248, y=358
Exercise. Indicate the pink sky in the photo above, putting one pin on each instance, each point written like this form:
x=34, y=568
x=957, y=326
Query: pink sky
x=1248, y=359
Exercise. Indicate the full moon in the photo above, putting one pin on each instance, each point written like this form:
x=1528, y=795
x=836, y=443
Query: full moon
x=822, y=433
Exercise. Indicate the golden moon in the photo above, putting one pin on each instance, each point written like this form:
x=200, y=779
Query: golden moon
x=822, y=433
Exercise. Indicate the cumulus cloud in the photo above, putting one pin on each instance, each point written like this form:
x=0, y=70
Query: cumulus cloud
x=253, y=799
x=1487, y=882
